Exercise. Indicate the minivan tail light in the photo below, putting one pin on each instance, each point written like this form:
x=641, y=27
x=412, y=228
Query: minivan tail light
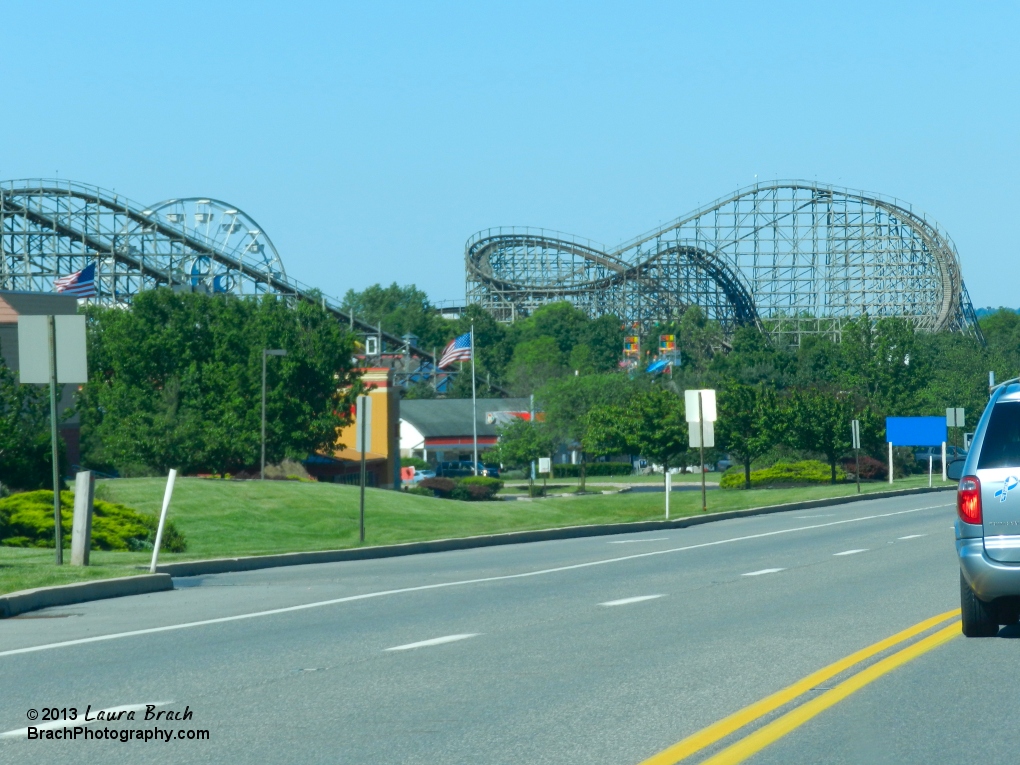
x=968, y=500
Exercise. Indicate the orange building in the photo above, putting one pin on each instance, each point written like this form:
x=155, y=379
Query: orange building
x=382, y=461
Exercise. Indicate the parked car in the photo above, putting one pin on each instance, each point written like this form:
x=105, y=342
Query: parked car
x=454, y=469
x=463, y=469
x=724, y=464
x=952, y=453
x=421, y=475
x=988, y=523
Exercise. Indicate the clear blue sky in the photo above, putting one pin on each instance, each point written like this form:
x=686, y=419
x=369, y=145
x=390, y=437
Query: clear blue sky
x=371, y=139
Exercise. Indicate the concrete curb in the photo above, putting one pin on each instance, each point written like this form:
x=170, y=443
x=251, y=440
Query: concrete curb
x=251, y=563
x=16, y=603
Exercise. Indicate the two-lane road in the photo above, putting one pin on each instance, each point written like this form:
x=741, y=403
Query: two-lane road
x=598, y=650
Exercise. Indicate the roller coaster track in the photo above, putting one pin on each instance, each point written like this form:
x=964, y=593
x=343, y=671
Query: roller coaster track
x=53, y=228
x=789, y=257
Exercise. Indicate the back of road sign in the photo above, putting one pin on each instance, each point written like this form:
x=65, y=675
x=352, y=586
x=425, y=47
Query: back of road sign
x=363, y=423
x=72, y=366
x=707, y=404
x=694, y=430
x=34, y=349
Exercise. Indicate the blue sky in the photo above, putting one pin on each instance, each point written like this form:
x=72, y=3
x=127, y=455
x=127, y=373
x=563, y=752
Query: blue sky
x=370, y=140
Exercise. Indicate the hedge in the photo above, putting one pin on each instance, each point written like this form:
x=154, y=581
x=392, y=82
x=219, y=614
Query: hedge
x=871, y=468
x=783, y=474
x=476, y=489
x=469, y=489
x=26, y=520
x=592, y=469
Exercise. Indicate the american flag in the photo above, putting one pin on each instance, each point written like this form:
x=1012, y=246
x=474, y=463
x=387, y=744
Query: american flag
x=459, y=349
x=81, y=284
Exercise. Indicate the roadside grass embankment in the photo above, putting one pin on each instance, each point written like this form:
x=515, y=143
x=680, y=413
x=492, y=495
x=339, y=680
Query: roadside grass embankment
x=237, y=518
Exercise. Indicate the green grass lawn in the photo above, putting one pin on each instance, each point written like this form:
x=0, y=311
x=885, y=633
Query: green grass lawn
x=228, y=518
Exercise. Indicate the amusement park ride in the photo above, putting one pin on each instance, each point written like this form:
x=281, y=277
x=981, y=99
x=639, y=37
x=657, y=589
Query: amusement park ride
x=790, y=257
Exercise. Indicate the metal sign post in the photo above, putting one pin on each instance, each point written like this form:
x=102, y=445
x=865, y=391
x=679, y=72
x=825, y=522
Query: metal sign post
x=855, y=435
x=51, y=350
x=955, y=418
x=363, y=444
x=51, y=338
x=700, y=409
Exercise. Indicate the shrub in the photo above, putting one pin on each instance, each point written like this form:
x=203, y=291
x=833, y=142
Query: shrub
x=783, y=474
x=414, y=462
x=593, y=468
x=422, y=491
x=871, y=468
x=476, y=489
x=442, y=487
x=514, y=475
x=26, y=520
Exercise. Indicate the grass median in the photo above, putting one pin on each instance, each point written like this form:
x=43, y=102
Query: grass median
x=236, y=518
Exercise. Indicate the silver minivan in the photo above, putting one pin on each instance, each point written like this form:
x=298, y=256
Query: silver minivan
x=988, y=523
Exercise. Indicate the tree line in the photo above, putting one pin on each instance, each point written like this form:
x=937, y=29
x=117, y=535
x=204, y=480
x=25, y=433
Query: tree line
x=779, y=395
x=175, y=381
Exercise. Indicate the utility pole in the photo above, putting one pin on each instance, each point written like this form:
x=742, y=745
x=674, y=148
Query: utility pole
x=701, y=449
x=51, y=328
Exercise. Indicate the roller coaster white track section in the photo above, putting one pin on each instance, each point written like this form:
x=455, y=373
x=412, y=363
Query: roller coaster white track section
x=51, y=228
x=791, y=257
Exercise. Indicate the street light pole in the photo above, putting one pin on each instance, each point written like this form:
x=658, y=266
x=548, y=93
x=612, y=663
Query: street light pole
x=266, y=352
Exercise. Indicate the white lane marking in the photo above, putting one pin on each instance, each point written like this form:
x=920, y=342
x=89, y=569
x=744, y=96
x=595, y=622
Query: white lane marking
x=849, y=552
x=94, y=716
x=628, y=601
x=632, y=541
x=765, y=571
x=829, y=515
x=434, y=641
x=914, y=536
x=442, y=585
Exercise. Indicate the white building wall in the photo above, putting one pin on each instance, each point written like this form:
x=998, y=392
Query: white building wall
x=412, y=442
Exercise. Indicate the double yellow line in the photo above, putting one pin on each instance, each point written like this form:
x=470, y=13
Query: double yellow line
x=761, y=738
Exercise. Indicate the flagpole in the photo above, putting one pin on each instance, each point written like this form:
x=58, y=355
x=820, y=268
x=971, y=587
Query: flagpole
x=474, y=400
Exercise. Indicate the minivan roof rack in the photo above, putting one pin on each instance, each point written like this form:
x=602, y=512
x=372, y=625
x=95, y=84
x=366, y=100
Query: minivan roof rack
x=994, y=388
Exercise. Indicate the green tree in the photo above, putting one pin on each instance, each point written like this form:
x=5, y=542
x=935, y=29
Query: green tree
x=522, y=442
x=819, y=421
x=25, y=451
x=568, y=400
x=655, y=427
x=753, y=360
x=176, y=381
x=748, y=423
x=400, y=311
x=602, y=433
x=698, y=338
x=535, y=363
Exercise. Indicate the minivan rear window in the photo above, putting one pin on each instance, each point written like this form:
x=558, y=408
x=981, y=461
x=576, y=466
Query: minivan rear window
x=1001, y=445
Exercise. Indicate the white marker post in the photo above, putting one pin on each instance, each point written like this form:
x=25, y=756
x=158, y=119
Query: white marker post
x=944, y=476
x=162, y=519
x=930, y=460
x=855, y=437
x=81, y=528
x=669, y=486
x=890, y=462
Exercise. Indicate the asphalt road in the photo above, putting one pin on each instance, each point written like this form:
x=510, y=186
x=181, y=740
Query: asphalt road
x=599, y=650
